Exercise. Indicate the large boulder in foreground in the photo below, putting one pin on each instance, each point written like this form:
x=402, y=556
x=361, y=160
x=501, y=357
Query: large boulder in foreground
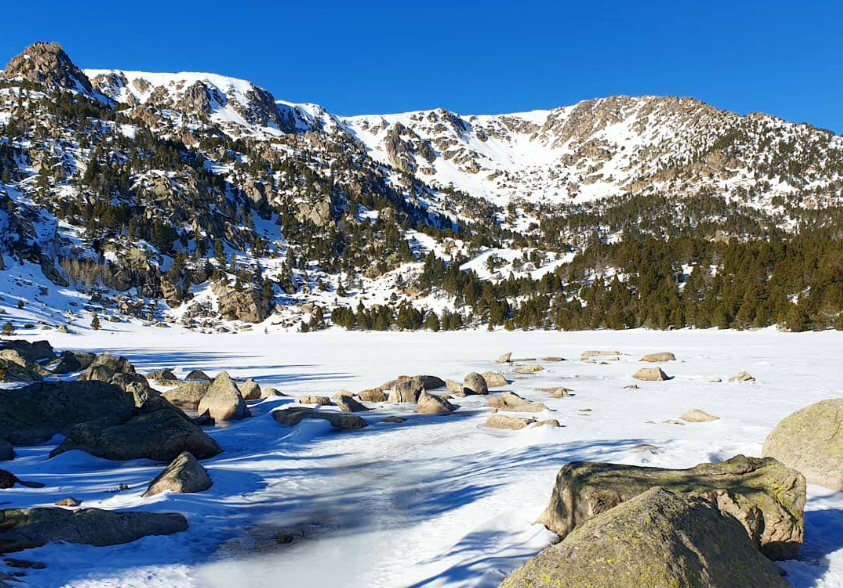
x=34, y=414
x=658, y=539
x=184, y=474
x=33, y=527
x=407, y=390
x=160, y=435
x=291, y=417
x=474, y=383
x=35, y=351
x=765, y=496
x=811, y=441
x=223, y=401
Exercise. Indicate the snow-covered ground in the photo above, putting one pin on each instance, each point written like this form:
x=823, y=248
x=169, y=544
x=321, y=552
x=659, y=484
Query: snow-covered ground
x=438, y=501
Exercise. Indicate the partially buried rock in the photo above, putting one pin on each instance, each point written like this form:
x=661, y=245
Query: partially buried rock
x=557, y=391
x=811, y=441
x=197, y=375
x=528, y=369
x=553, y=358
x=657, y=539
x=659, y=357
x=250, y=390
x=342, y=393
x=223, y=401
x=394, y=419
x=742, y=377
x=160, y=435
x=26, y=528
x=291, y=417
x=587, y=355
x=499, y=421
x=162, y=375
x=69, y=502
x=430, y=404
x=474, y=383
x=650, y=375
x=270, y=393
x=495, y=379
x=505, y=358
x=372, y=395
x=320, y=400
x=696, y=415
x=184, y=474
x=454, y=387
x=349, y=404
x=762, y=494
x=513, y=402
x=188, y=395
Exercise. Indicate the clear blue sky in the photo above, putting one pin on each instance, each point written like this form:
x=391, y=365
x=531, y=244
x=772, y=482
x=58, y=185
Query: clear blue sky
x=785, y=58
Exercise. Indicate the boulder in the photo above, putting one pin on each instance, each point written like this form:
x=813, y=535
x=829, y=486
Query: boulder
x=320, y=400
x=474, y=383
x=195, y=375
x=696, y=415
x=34, y=414
x=162, y=375
x=270, y=393
x=188, y=395
x=72, y=361
x=430, y=404
x=372, y=395
x=659, y=357
x=530, y=368
x=8, y=479
x=549, y=423
x=394, y=419
x=160, y=435
x=499, y=421
x=742, y=377
x=250, y=390
x=650, y=375
x=454, y=387
x=108, y=364
x=765, y=496
x=587, y=355
x=658, y=539
x=7, y=452
x=555, y=358
x=495, y=379
x=184, y=474
x=15, y=356
x=33, y=527
x=513, y=402
x=349, y=404
x=248, y=306
x=406, y=391
x=291, y=417
x=13, y=372
x=505, y=358
x=811, y=440
x=342, y=393
x=223, y=401
x=557, y=391
x=35, y=351
x=69, y=501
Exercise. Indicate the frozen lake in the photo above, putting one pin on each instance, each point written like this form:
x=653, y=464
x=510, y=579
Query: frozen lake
x=438, y=501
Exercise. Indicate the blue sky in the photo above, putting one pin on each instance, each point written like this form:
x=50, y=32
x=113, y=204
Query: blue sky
x=785, y=58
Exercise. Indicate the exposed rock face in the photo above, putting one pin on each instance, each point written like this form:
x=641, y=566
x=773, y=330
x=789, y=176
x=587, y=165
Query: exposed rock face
x=188, y=396
x=223, y=401
x=659, y=538
x=160, y=435
x=33, y=527
x=291, y=417
x=811, y=441
x=696, y=415
x=47, y=63
x=250, y=390
x=474, y=383
x=406, y=391
x=248, y=306
x=430, y=404
x=659, y=357
x=34, y=414
x=184, y=474
x=500, y=421
x=349, y=404
x=766, y=497
x=650, y=375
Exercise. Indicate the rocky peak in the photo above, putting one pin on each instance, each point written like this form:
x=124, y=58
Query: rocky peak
x=47, y=63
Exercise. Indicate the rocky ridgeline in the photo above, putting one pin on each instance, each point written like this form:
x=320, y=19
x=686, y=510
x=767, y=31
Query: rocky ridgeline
x=674, y=522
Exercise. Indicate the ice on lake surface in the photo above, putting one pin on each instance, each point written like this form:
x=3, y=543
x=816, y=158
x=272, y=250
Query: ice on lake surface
x=438, y=501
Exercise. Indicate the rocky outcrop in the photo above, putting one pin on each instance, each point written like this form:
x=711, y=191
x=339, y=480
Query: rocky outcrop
x=26, y=528
x=766, y=497
x=48, y=64
x=160, y=435
x=223, y=401
x=291, y=417
x=34, y=414
x=247, y=306
x=184, y=474
x=811, y=440
x=430, y=404
x=659, y=538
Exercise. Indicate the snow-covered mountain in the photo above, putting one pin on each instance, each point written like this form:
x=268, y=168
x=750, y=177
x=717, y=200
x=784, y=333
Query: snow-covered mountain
x=158, y=186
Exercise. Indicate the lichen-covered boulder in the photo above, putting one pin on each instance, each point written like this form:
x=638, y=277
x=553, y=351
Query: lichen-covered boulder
x=26, y=528
x=811, y=440
x=223, y=401
x=184, y=474
x=657, y=539
x=764, y=495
